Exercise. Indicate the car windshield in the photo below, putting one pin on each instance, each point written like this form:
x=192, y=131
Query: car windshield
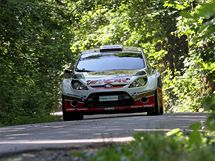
x=94, y=62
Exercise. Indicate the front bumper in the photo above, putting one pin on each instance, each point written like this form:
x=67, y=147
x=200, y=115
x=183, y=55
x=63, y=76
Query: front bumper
x=144, y=102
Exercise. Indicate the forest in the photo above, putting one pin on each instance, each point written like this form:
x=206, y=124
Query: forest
x=40, y=38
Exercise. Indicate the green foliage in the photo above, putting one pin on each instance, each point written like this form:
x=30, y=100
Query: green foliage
x=167, y=39
x=186, y=88
x=209, y=104
x=196, y=79
x=154, y=146
x=37, y=39
x=34, y=46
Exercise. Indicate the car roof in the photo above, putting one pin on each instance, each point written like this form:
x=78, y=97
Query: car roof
x=112, y=48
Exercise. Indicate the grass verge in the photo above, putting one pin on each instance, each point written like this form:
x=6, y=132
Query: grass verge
x=42, y=118
x=172, y=146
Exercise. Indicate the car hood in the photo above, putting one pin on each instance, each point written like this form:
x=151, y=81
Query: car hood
x=115, y=77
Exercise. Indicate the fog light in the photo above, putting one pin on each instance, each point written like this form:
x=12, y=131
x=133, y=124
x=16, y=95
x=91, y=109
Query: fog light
x=144, y=99
x=74, y=103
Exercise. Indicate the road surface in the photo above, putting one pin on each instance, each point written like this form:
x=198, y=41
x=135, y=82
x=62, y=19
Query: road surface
x=92, y=130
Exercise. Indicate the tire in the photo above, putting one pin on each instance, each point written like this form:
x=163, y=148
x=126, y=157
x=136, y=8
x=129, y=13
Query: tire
x=68, y=116
x=158, y=110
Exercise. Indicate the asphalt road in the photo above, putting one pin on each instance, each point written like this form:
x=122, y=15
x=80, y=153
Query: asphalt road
x=95, y=129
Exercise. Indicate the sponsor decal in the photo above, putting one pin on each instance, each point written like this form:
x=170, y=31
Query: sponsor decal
x=108, y=81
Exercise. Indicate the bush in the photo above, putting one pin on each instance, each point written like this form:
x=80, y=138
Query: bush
x=158, y=147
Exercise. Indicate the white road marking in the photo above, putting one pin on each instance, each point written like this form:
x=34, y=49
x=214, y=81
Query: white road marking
x=98, y=140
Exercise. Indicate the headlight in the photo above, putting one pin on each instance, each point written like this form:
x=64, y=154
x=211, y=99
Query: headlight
x=138, y=82
x=78, y=85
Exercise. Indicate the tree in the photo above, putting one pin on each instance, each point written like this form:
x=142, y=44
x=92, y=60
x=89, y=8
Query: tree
x=34, y=46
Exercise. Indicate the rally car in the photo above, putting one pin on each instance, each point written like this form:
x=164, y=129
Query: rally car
x=111, y=79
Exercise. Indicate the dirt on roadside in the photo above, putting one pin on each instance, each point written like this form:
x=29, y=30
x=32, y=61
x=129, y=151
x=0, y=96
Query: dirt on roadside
x=53, y=155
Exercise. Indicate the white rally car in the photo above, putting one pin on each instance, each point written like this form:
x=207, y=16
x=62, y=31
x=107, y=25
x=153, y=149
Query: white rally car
x=111, y=79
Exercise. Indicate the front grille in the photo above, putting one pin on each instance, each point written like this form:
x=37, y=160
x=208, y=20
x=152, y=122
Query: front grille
x=124, y=99
x=112, y=87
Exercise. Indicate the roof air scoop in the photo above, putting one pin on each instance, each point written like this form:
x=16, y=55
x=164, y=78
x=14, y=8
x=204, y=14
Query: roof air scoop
x=105, y=48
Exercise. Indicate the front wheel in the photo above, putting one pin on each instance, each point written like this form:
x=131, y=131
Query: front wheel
x=67, y=116
x=158, y=109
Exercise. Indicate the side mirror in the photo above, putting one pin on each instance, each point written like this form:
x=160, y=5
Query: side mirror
x=68, y=73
